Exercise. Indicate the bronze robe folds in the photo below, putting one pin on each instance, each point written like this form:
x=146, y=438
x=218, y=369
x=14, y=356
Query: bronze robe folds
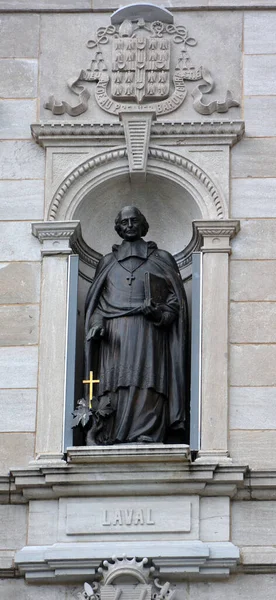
x=140, y=364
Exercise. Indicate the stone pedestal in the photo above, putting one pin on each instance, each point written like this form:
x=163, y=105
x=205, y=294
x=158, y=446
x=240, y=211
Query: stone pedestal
x=134, y=500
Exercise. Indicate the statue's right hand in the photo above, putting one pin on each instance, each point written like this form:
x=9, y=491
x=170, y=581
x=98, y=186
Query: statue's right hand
x=95, y=333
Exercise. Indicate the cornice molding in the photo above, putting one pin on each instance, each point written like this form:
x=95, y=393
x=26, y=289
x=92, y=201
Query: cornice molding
x=196, y=132
x=80, y=561
x=217, y=234
x=168, y=471
x=56, y=236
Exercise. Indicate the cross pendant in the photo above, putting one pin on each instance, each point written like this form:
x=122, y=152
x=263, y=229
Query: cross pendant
x=130, y=279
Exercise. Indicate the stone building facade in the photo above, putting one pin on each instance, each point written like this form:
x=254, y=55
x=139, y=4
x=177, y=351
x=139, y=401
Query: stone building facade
x=200, y=157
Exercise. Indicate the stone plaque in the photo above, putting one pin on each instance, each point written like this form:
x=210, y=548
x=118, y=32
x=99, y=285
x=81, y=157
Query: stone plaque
x=129, y=515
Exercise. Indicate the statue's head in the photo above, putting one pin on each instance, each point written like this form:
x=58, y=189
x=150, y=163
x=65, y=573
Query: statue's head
x=131, y=224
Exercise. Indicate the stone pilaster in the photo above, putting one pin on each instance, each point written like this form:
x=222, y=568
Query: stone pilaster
x=216, y=237
x=55, y=238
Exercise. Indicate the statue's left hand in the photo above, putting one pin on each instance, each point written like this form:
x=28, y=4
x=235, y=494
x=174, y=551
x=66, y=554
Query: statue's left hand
x=151, y=311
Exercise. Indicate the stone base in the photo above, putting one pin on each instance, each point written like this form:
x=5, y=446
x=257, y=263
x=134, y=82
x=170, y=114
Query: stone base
x=218, y=457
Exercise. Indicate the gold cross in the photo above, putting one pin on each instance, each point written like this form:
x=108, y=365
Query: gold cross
x=91, y=381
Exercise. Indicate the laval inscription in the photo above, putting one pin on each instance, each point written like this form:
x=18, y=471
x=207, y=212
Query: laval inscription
x=128, y=517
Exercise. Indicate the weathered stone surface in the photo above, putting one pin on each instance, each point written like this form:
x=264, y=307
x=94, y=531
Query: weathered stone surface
x=254, y=158
x=18, y=588
x=254, y=197
x=73, y=5
x=252, y=322
x=256, y=240
x=43, y=522
x=19, y=325
x=7, y=560
x=214, y=519
x=259, y=74
x=18, y=409
x=252, y=408
x=17, y=242
x=237, y=587
x=19, y=282
x=254, y=448
x=13, y=526
x=254, y=106
x=253, y=365
x=259, y=32
x=19, y=36
x=252, y=280
x=262, y=555
x=22, y=200
x=17, y=449
x=253, y=521
x=20, y=159
x=18, y=78
x=50, y=411
x=214, y=351
x=16, y=116
x=108, y=5
x=18, y=367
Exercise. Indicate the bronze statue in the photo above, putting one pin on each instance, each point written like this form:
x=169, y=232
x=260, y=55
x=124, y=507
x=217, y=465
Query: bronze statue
x=136, y=339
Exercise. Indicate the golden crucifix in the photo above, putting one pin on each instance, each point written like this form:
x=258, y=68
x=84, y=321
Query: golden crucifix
x=91, y=381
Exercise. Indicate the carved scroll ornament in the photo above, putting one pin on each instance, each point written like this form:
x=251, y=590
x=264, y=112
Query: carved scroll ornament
x=142, y=77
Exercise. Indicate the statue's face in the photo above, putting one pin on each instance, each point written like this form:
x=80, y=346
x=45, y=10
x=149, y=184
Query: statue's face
x=130, y=225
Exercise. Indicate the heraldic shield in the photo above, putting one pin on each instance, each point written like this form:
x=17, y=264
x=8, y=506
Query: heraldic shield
x=140, y=68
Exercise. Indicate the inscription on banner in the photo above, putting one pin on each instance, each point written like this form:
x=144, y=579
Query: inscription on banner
x=129, y=515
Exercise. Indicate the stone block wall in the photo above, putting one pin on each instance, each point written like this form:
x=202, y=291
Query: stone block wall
x=21, y=201
x=252, y=348
x=253, y=263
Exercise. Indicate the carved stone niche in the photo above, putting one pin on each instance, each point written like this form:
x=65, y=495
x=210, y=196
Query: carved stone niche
x=127, y=579
x=87, y=182
x=176, y=171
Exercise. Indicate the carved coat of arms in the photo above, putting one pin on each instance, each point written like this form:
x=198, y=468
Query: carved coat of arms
x=142, y=76
x=139, y=583
x=140, y=68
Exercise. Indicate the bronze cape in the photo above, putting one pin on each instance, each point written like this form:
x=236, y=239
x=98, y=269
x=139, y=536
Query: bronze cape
x=146, y=378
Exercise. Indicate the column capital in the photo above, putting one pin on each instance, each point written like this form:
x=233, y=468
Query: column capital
x=217, y=234
x=56, y=237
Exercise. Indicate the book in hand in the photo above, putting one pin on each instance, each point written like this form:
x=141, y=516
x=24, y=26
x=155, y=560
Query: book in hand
x=156, y=289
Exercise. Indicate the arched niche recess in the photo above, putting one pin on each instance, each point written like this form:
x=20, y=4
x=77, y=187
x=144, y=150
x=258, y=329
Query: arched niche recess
x=169, y=208
x=113, y=164
x=175, y=186
x=174, y=193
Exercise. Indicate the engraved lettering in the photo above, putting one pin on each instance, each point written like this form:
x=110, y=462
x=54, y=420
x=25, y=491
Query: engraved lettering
x=117, y=518
x=105, y=520
x=128, y=516
x=139, y=517
x=149, y=520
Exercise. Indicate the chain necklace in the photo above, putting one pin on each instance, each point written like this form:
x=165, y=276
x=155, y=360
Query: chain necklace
x=130, y=279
